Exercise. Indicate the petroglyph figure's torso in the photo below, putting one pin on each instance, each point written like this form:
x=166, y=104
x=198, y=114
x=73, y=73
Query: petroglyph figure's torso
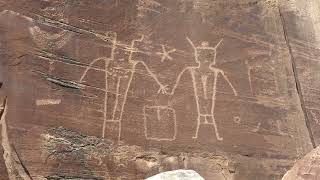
x=204, y=84
x=118, y=82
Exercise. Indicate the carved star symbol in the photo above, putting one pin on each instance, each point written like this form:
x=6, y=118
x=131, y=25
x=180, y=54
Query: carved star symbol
x=165, y=54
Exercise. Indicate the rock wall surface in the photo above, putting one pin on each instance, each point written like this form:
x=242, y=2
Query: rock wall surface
x=125, y=89
x=302, y=25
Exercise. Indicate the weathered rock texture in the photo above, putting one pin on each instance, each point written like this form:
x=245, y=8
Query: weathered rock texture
x=125, y=89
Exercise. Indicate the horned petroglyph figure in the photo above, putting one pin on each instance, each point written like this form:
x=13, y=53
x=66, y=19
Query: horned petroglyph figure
x=204, y=78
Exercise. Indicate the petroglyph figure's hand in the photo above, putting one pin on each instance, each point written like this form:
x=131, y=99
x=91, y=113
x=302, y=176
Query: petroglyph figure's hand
x=163, y=89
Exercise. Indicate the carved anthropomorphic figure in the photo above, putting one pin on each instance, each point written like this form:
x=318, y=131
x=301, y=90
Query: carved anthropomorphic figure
x=120, y=68
x=204, y=79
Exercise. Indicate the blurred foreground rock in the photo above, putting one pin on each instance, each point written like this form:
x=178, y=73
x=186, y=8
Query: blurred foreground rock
x=177, y=175
x=307, y=168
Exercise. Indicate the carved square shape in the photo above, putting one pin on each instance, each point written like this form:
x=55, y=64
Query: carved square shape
x=160, y=123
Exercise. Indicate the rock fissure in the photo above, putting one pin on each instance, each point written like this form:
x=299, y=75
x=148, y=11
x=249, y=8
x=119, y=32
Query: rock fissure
x=296, y=77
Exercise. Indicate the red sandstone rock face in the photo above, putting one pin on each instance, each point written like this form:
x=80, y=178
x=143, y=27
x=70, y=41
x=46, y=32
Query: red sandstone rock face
x=304, y=47
x=125, y=89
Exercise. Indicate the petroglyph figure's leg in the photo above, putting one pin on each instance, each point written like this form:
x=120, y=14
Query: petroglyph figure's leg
x=117, y=94
x=124, y=100
x=219, y=138
x=105, y=104
x=117, y=88
x=216, y=75
x=198, y=127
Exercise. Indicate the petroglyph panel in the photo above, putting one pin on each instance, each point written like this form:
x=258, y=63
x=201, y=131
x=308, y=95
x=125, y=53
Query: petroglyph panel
x=176, y=76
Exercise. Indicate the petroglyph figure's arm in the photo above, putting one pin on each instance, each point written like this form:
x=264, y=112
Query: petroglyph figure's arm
x=219, y=43
x=230, y=84
x=90, y=66
x=191, y=43
x=178, y=80
x=163, y=88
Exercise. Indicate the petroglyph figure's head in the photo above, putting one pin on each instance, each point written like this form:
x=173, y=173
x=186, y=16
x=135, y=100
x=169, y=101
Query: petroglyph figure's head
x=206, y=55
